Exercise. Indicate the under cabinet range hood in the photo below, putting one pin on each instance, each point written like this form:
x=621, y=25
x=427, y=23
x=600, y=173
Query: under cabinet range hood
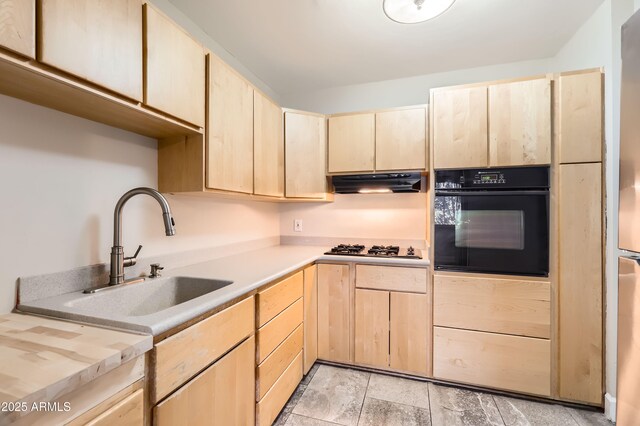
x=378, y=183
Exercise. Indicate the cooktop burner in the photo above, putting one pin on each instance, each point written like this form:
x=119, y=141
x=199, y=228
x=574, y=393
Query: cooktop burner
x=375, y=251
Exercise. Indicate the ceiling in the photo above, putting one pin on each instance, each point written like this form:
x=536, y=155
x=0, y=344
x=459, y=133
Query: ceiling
x=296, y=45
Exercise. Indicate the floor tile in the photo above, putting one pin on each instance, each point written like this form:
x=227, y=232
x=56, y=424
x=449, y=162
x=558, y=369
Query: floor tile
x=397, y=389
x=453, y=406
x=376, y=412
x=306, y=379
x=288, y=408
x=296, y=420
x=589, y=418
x=519, y=412
x=335, y=395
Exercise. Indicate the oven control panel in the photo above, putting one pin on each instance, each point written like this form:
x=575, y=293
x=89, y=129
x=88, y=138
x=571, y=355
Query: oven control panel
x=488, y=178
x=484, y=179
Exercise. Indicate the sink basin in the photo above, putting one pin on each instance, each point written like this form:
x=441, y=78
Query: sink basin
x=146, y=298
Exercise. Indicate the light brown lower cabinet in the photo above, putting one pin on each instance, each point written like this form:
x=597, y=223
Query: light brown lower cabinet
x=310, y=319
x=501, y=361
x=223, y=394
x=409, y=333
x=270, y=406
x=334, y=312
x=372, y=328
x=128, y=412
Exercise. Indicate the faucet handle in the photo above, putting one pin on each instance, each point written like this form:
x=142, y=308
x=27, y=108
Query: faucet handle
x=130, y=261
x=155, y=270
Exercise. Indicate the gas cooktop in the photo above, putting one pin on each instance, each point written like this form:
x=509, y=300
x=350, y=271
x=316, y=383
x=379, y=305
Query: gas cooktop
x=375, y=251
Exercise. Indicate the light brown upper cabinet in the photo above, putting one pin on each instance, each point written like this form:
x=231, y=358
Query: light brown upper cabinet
x=100, y=42
x=174, y=69
x=268, y=146
x=18, y=26
x=351, y=143
x=401, y=139
x=580, y=117
x=230, y=129
x=520, y=123
x=460, y=137
x=305, y=147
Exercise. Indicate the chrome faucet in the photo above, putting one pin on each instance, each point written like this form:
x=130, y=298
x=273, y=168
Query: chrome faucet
x=118, y=260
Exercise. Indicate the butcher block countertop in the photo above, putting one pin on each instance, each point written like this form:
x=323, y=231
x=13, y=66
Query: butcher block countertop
x=43, y=358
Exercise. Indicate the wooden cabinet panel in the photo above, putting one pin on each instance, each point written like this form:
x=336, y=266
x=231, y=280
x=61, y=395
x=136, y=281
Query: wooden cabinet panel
x=372, y=328
x=500, y=361
x=18, y=26
x=174, y=69
x=508, y=306
x=275, y=299
x=270, y=406
x=580, y=98
x=334, y=311
x=412, y=280
x=223, y=394
x=580, y=282
x=276, y=330
x=181, y=356
x=305, y=155
x=409, y=333
x=128, y=412
x=351, y=143
x=520, y=123
x=401, y=139
x=268, y=147
x=271, y=368
x=310, y=317
x=230, y=129
x=460, y=137
x=106, y=39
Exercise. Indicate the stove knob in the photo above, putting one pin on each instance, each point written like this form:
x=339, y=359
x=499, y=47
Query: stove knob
x=410, y=251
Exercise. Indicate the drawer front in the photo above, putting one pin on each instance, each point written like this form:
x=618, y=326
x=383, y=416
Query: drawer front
x=128, y=412
x=270, y=406
x=277, y=298
x=496, y=305
x=183, y=355
x=275, y=364
x=499, y=361
x=411, y=280
x=275, y=331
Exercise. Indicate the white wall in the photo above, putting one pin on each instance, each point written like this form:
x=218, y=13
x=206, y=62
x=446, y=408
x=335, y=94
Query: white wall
x=370, y=216
x=60, y=178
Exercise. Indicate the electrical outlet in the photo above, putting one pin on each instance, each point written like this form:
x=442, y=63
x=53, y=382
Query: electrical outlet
x=297, y=225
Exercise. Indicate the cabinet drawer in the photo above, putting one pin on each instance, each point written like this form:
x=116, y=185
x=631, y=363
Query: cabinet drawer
x=269, y=407
x=275, y=364
x=496, y=305
x=183, y=355
x=275, y=331
x=128, y=412
x=275, y=299
x=494, y=360
x=412, y=280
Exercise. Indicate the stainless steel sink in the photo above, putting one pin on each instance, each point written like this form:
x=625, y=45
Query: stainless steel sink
x=152, y=306
x=148, y=297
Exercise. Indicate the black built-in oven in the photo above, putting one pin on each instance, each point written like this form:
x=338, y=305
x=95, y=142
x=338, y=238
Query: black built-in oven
x=492, y=220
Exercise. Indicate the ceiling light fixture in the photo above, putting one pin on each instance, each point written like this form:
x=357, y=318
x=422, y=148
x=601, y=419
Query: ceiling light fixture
x=415, y=11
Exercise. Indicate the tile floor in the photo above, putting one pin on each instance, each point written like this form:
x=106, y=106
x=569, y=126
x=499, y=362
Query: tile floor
x=331, y=395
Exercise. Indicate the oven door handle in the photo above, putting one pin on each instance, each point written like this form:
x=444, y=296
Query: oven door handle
x=445, y=193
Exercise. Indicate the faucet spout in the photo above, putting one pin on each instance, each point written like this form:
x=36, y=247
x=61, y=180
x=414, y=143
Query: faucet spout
x=118, y=261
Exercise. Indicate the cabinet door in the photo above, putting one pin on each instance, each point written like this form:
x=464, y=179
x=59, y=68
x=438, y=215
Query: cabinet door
x=520, y=123
x=174, y=69
x=230, y=130
x=310, y=317
x=305, y=147
x=580, y=282
x=372, y=328
x=223, y=394
x=401, y=139
x=333, y=312
x=460, y=136
x=580, y=119
x=128, y=412
x=17, y=26
x=106, y=39
x=409, y=332
x=268, y=146
x=351, y=143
